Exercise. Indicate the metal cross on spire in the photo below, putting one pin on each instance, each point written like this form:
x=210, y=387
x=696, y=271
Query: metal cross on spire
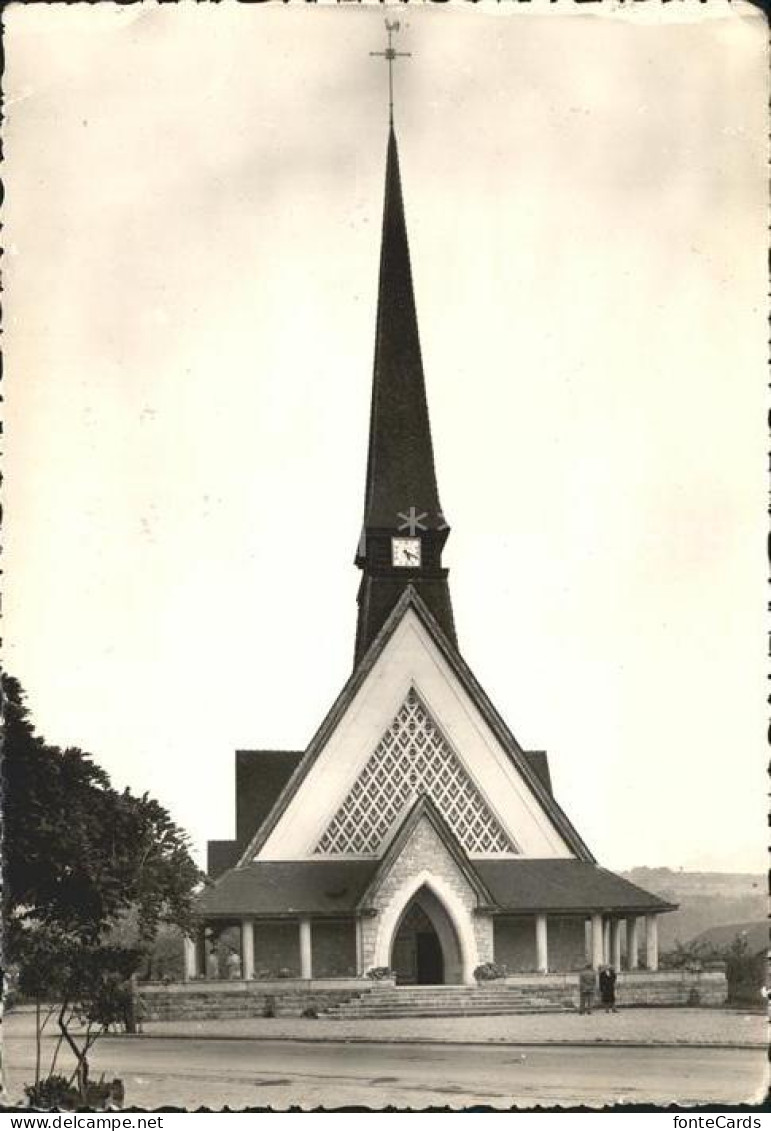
x=389, y=55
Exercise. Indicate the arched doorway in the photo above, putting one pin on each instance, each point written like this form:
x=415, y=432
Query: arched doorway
x=425, y=949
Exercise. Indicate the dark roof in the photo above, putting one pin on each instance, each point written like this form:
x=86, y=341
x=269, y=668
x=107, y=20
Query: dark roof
x=260, y=777
x=285, y=887
x=563, y=885
x=411, y=599
x=329, y=887
x=400, y=465
x=538, y=761
x=221, y=855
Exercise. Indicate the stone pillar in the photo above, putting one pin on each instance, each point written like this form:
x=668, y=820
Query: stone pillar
x=606, y=938
x=306, y=949
x=247, y=949
x=651, y=942
x=615, y=944
x=597, y=941
x=359, y=948
x=191, y=959
x=632, y=943
x=542, y=944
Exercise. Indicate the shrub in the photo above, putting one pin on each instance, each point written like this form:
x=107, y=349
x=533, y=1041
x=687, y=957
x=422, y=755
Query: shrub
x=490, y=972
x=310, y=1012
x=745, y=972
x=53, y=1091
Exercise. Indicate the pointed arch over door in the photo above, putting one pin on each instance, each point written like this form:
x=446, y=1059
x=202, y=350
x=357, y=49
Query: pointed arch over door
x=449, y=919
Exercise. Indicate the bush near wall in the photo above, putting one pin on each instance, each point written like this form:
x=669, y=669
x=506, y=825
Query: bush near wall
x=745, y=972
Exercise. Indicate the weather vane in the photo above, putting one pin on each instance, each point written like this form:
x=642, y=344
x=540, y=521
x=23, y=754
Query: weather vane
x=389, y=55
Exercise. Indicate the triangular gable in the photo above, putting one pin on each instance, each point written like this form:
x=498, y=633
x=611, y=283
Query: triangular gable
x=359, y=703
x=412, y=759
x=424, y=809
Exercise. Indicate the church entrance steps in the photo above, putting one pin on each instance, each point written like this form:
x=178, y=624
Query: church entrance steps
x=351, y=998
x=455, y=1001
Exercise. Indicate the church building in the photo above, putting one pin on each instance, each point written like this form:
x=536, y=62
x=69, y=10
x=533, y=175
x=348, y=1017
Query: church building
x=414, y=837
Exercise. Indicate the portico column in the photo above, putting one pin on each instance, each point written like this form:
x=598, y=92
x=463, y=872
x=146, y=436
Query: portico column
x=632, y=943
x=191, y=958
x=615, y=944
x=541, y=944
x=651, y=942
x=606, y=939
x=359, y=948
x=596, y=941
x=306, y=951
x=247, y=949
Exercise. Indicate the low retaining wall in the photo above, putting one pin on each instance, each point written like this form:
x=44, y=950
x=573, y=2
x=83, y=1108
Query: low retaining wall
x=672, y=987
x=639, y=987
x=287, y=997
x=291, y=997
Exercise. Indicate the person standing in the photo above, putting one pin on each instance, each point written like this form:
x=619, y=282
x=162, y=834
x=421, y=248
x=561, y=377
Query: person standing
x=587, y=986
x=234, y=965
x=608, y=988
x=212, y=965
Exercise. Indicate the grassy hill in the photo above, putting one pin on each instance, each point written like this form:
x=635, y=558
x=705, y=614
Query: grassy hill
x=706, y=899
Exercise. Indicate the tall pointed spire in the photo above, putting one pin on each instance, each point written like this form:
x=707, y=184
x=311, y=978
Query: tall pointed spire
x=400, y=465
x=404, y=527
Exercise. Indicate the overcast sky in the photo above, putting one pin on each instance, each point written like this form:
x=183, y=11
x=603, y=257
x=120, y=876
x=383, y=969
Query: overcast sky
x=192, y=236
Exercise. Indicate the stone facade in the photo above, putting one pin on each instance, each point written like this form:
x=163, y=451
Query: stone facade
x=425, y=862
x=276, y=947
x=514, y=940
x=567, y=942
x=334, y=948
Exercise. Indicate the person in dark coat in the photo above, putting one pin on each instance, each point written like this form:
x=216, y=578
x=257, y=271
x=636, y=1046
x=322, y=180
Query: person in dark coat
x=608, y=988
x=587, y=985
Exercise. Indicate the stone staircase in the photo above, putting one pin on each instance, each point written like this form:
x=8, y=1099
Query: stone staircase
x=454, y=1001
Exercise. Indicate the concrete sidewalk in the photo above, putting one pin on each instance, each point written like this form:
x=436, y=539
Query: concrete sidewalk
x=716, y=1028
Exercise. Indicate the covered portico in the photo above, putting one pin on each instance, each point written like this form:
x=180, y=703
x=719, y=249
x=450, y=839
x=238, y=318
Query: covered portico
x=425, y=910
x=275, y=947
x=558, y=943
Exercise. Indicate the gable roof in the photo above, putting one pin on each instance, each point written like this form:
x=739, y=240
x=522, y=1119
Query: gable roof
x=539, y=764
x=260, y=777
x=287, y=887
x=324, y=887
x=526, y=885
x=425, y=809
x=410, y=599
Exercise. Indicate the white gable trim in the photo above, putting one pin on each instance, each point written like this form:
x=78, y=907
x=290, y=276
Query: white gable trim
x=410, y=657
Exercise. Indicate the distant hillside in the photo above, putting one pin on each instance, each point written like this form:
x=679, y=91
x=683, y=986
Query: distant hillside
x=706, y=899
x=755, y=933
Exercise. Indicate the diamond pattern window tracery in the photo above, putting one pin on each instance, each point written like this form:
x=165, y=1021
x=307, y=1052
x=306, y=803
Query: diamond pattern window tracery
x=412, y=758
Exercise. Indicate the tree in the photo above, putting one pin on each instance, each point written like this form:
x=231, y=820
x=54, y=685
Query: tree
x=78, y=855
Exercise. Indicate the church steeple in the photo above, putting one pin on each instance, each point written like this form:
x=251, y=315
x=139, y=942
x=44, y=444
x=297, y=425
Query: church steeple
x=404, y=528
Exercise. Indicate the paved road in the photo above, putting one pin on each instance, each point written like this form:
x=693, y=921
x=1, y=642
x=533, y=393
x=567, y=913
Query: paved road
x=194, y=1073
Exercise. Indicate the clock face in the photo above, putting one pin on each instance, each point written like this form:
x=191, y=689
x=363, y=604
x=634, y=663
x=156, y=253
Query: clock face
x=405, y=552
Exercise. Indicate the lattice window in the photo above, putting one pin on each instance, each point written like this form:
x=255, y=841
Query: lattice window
x=412, y=758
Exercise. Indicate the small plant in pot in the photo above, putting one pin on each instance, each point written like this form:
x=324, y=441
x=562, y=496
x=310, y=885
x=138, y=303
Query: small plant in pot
x=490, y=972
x=380, y=973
